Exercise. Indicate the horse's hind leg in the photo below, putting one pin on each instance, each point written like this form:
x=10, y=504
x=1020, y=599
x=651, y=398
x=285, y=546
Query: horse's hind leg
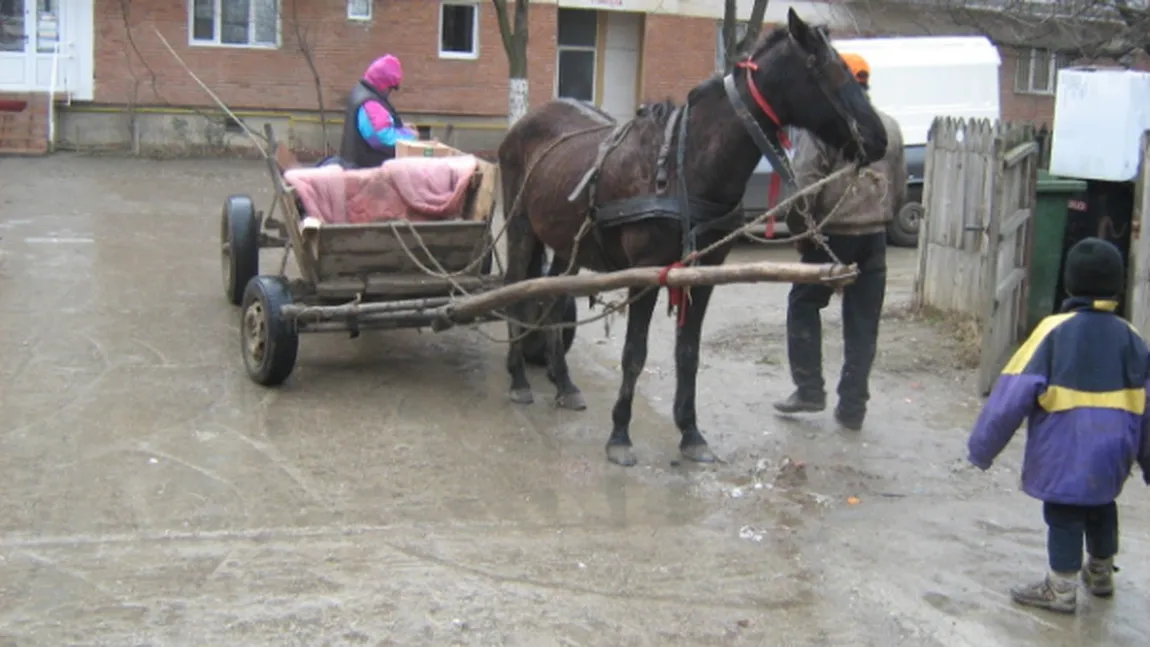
x=523, y=252
x=568, y=395
x=634, y=358
x=693, y=446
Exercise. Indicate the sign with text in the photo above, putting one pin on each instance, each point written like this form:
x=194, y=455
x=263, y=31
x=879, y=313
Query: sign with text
x=645, y=6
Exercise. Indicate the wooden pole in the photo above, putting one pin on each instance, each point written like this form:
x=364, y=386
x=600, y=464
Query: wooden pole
x=468, y=308
x=309, y=314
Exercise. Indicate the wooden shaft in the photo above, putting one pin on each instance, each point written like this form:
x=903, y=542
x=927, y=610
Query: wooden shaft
x=444, y=312
x=306, y=313
x=467, y=308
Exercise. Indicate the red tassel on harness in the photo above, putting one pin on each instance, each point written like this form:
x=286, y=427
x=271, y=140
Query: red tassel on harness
x=775, y=189
x=762, y=102
x=676, y=296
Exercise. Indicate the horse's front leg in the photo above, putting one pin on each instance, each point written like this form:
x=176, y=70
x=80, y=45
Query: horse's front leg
x=634, y=358
x=693, y=446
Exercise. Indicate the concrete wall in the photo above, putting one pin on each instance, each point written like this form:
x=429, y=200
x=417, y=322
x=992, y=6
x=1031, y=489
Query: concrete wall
x=179, y=133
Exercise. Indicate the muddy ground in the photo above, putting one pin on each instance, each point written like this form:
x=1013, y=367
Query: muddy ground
x=150, y=494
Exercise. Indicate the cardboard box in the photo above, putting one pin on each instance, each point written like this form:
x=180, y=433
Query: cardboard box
x=424, y=149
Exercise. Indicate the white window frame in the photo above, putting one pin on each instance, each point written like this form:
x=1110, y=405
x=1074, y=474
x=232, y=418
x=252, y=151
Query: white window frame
x=217, y=31
x=474, y=53
x=594, y=49
x=360, y=17
x=559, y=49
x=740, y=31
x=1027, y=58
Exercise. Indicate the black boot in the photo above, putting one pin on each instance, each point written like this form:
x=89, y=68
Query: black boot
x=850, y=419
x=799, y=403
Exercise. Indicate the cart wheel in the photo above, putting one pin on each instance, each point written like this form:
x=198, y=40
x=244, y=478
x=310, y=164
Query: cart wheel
x=268, y=340
x=239, y=245
x=535, y=344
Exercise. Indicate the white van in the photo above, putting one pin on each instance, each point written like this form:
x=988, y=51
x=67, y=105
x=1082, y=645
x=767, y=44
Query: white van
x=914, y=80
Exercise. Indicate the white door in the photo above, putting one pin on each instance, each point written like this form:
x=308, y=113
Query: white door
x=621, y=64
x=17, y=20
x=50, y=25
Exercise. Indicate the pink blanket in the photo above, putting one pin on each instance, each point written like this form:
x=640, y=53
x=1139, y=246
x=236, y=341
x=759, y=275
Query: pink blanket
x=419, y=189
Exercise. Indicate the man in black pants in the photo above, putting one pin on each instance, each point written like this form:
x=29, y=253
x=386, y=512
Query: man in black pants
x=856, y=233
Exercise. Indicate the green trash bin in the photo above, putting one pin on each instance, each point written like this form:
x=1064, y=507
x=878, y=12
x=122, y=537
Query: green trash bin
x=1054, y=194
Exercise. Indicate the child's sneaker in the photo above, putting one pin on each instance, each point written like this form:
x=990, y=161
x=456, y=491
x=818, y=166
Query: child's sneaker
x=1098, y=575
x=1055, y=593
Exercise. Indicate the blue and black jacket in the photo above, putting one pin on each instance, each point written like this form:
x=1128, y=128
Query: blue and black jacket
x=1081, y=380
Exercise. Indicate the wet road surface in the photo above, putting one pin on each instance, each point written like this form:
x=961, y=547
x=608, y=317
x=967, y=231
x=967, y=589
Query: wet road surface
x=388, y=494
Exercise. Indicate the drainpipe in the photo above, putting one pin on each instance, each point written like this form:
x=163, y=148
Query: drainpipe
x=52, y=97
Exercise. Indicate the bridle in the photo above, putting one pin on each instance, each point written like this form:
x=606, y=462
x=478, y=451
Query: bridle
x=774, y=148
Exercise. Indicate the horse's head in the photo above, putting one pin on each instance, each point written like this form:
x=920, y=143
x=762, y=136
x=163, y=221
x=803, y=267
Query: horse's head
x=809, y=86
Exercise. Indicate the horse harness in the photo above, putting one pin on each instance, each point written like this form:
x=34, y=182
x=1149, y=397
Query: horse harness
x=694, y=214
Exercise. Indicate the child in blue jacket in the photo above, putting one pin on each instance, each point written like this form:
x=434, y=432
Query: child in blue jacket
x=1081, y=381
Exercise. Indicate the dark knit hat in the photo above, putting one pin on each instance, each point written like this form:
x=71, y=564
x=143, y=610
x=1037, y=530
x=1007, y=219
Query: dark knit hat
x=1094, y=268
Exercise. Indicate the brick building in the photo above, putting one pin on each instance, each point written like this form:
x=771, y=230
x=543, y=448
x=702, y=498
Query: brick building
x=117, y=85
x=124, y=86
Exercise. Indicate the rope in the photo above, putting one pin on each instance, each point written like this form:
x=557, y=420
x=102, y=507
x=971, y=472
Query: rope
x=440, y=272
x=813, y=229
x=814, y=232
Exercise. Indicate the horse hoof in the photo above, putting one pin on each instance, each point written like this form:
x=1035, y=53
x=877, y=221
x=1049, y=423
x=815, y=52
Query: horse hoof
x=522, y=396
x=573, y=401
x=698, y=453
x=621, y=455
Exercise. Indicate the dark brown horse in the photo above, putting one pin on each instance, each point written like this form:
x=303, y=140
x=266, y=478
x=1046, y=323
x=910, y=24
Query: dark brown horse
x=705, y=151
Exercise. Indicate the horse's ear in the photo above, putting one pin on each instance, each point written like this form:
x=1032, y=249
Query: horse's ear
x=799, y=29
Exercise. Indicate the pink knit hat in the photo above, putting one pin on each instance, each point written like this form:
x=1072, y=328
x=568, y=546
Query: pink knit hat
x=385, y=72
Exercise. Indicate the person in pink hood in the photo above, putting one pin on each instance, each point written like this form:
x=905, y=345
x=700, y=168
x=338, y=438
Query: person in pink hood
x=371, y=126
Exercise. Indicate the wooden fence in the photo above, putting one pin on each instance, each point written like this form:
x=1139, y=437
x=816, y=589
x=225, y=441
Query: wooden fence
x=974, y=245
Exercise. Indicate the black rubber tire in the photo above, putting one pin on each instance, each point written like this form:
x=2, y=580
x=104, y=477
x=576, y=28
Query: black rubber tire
x=239, y=246
x=903, y=230
x=535, y=344
x=263, y=303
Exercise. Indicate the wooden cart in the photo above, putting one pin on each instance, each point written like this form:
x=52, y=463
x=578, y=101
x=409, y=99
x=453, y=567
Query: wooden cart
x=343, y=266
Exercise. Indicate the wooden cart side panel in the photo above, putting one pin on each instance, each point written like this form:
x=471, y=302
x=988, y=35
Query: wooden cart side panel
x=483, y=205
x=303, y=246
x=387, y=248
x=285, y=159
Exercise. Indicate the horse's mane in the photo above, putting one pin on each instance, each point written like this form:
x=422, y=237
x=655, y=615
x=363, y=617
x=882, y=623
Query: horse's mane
x=659, y=112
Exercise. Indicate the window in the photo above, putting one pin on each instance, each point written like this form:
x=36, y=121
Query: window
x=1036, y=71
x=47, y=26
x=235, y=23
x=458, y=30
x=578, y=32
x=721, y=46
x=12, y=34
x=359, y=9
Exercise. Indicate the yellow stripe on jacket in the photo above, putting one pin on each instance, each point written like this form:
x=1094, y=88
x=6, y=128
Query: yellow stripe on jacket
x=1061, y=398
x=1025, y=353
x=1065, y=398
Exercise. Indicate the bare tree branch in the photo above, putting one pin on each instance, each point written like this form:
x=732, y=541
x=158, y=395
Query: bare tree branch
x=1083, y=29
x=733, y=46
x=514, y=35
x=306, y=49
